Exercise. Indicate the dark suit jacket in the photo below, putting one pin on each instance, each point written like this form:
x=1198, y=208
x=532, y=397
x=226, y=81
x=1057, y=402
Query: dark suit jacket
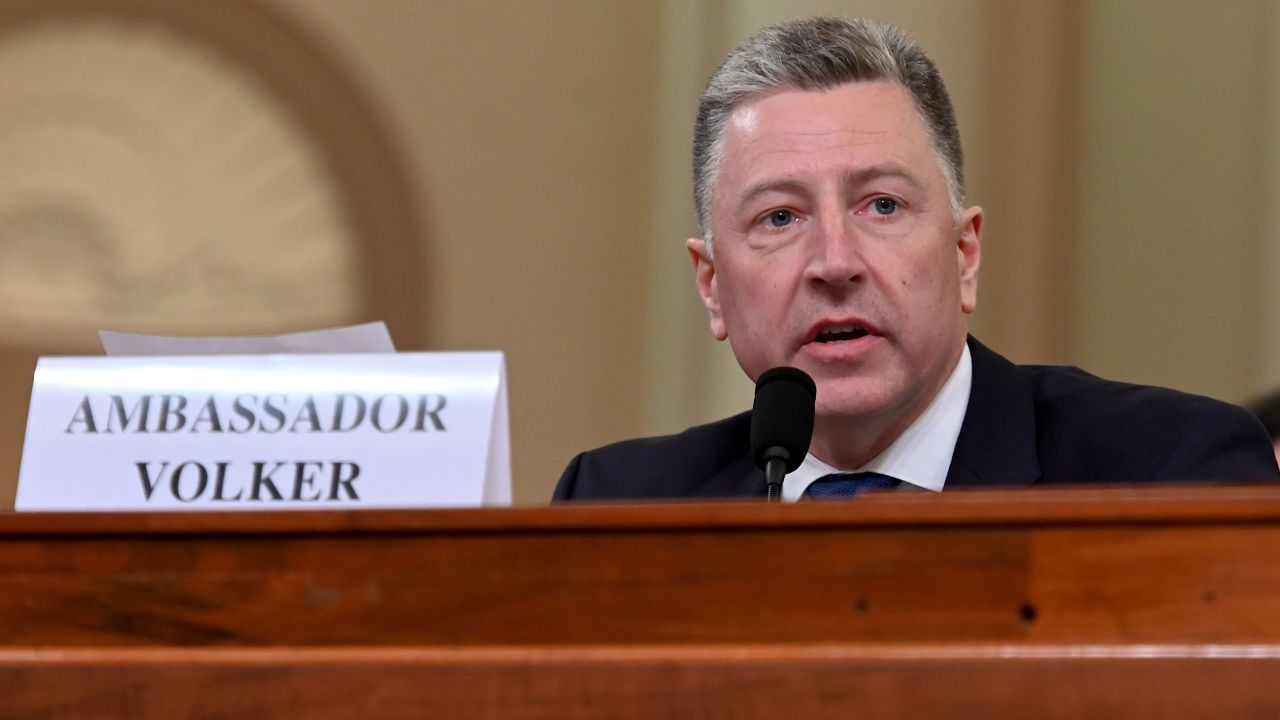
x=1025, y=425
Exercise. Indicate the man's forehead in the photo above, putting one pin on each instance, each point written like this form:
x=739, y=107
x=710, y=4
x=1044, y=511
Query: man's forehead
x=815, y=126
x=744, y=118
x=840, y=107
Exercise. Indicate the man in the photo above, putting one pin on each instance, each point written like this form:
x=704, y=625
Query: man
x=829, y=189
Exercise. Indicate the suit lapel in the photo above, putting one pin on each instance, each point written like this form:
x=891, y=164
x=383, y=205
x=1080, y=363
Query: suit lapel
x=739, y=478
x=729, y=470
x=997, y=442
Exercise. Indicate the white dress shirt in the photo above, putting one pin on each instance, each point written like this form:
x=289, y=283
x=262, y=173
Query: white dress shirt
x=921, y=455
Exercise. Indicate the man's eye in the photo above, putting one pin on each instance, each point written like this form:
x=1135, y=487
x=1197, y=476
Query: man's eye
x=884, y=205
x=780, y=218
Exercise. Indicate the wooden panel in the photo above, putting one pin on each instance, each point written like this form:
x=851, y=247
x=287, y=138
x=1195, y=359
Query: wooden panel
x=1092, y=506
x=1043, y=567
x=1065, y=603
x=716, y=586
x=1201, y=583
x=554, y=686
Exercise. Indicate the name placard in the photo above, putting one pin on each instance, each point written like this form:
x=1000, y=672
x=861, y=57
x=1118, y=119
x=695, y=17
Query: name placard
x=267, y=432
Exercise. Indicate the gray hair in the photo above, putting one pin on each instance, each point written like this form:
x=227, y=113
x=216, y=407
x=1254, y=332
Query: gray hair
x=821, y=53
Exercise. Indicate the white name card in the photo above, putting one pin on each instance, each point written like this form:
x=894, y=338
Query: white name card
x=267, y=432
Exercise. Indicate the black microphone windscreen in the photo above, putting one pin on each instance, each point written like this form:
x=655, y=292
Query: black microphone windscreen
x=782, y=415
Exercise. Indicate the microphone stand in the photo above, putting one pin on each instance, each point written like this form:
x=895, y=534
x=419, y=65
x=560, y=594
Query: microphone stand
x=774, y=469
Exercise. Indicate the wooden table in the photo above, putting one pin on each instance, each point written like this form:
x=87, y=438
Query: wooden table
x=1159, y=603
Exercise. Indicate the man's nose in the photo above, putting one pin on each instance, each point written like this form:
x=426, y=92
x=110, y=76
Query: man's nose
x=835, y=252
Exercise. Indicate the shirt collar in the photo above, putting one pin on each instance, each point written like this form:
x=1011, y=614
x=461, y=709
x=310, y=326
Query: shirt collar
x=921, y=455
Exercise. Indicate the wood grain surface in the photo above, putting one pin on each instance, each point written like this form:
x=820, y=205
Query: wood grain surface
x=1065, y=603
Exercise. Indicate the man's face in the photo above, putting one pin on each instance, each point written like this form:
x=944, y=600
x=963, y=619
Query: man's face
x=837, y=250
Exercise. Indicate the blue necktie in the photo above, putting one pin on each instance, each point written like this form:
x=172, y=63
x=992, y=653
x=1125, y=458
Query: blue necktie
x=846, y=486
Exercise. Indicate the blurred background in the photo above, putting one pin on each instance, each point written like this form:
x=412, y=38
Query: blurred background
x=514, y=175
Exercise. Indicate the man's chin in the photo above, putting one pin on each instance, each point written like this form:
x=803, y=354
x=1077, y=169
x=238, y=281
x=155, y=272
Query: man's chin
x=844, y=407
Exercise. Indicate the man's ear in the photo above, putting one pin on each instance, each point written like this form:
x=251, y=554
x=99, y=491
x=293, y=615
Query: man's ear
x=969, y=256
x=704, y=275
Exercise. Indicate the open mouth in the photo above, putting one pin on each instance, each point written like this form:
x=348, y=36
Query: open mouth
x=840, y=333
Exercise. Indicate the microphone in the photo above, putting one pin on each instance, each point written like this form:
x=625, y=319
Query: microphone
x=781, y=424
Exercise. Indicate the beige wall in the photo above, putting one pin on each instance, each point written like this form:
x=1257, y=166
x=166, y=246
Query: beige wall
x=1172, y=194
x=1124, y=150
x=528, y=129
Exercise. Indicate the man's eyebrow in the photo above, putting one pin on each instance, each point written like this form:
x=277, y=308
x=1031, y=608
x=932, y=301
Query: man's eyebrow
x=767, y=186
x=857, y=177
x=891, y=170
